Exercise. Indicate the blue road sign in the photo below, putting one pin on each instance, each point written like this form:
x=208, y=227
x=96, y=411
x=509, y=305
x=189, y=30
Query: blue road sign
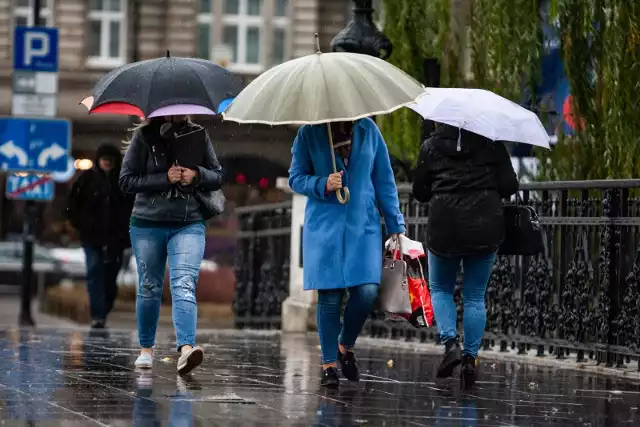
x=36, y=145
x=35, y=49
x=29, y=187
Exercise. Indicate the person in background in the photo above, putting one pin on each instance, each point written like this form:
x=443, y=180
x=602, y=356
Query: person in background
x=342, y=243
x=167, y=225
x=100, y=212
x=463, y=176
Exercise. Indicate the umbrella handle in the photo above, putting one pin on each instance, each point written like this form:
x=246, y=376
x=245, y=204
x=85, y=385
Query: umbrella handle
x=347, y=195
x=344, y=190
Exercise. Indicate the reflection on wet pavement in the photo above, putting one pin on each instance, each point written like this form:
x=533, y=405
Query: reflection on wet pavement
x=76, y=378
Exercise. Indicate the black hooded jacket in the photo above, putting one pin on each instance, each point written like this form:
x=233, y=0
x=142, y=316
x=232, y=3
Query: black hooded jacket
x=96, y=206
x=463, y=177
x=144, y=173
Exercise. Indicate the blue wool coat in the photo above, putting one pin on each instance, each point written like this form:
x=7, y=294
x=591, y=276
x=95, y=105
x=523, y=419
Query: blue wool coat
x=342, y=244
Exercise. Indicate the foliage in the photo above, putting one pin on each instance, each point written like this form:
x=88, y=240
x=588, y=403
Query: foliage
x=506, y=44
x=418, y=29
x=601, y=47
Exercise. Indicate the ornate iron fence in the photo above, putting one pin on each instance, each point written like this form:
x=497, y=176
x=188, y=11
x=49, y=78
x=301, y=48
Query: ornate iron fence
x=581, y=298
x=262, y=265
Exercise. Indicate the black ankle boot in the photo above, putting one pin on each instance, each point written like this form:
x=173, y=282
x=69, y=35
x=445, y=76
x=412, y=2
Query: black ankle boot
x=330, y=377
x=349, y=366
x=452, y=358
x=468, y=372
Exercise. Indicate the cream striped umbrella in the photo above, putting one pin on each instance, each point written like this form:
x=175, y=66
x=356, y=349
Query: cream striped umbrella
x=324, y=88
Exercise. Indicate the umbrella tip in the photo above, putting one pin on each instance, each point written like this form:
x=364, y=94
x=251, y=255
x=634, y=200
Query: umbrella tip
x=315, y=35
x=168, y=54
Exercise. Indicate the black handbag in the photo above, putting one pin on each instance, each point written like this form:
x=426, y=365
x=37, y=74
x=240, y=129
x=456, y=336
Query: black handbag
x=211, y=202
x=523, y=234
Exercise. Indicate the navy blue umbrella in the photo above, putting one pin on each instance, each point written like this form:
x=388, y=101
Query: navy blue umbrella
x=142, y=88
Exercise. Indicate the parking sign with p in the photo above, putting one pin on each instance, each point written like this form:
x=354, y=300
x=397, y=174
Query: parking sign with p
x=35, y=49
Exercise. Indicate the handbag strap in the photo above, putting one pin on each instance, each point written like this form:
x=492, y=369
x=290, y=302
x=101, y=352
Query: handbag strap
x=396, y=248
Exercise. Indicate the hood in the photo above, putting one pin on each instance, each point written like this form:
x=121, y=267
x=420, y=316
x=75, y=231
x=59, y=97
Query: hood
x=109, y=150
x=455, y=142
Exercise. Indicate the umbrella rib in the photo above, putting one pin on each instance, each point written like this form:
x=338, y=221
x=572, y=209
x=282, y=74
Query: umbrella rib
x=289, y=77
x=204, y=89
x=373, y=89
x=153, y=77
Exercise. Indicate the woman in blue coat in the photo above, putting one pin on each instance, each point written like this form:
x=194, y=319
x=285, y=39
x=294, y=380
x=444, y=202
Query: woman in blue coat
x=342, y=243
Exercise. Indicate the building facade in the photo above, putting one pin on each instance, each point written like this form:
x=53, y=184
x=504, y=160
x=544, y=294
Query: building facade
x=246, y=36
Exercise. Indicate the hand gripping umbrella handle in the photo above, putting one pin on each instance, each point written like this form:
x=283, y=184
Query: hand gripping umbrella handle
x=344, y=190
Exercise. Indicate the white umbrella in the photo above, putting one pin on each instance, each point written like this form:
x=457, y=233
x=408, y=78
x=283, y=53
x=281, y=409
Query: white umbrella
x=324, y=88
x=482, y=112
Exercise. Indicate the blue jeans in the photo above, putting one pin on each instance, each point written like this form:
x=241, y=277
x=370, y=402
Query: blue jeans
x=331, y=332
x=103, y=266
x=184, y=247
x=443, y=272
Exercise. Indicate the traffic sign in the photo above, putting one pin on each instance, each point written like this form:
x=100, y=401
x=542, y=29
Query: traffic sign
x=35, y=49
x=66, y=175
x=36, y=145
x=29, y=187
x=35, y=72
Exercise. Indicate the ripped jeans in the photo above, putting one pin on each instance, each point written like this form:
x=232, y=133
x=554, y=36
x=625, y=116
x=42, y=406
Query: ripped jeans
x=184, y=248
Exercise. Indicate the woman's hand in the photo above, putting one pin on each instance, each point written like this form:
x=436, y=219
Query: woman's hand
x=174, y=174
x=188, y=175
x=334, y=182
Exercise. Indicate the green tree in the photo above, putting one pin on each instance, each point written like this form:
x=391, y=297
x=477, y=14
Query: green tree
x=418, y=29
x=600, y=41
x=601, y=48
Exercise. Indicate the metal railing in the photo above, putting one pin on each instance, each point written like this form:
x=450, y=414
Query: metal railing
x=262, y=264
x=581, y=298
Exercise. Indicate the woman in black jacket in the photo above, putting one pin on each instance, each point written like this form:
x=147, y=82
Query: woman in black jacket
x=463, y=176
x=167, y=224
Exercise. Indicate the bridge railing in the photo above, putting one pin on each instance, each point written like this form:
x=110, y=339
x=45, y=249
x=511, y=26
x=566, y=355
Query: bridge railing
x=581, y=298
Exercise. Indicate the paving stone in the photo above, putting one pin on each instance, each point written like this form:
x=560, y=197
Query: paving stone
x=71, y=377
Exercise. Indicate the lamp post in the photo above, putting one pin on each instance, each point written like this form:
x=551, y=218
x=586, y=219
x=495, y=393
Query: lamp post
x=361, y=35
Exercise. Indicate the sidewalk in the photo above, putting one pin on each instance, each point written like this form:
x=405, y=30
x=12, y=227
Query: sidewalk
x=10, y=310
x=60, y=377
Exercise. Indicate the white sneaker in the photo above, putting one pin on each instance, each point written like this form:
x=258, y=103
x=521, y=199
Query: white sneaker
x=190, y=360
x=144, y=361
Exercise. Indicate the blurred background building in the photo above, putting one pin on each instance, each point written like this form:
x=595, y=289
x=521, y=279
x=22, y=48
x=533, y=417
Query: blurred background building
x=247, y=36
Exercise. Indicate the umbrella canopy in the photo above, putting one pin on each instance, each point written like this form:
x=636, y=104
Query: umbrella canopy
x=323, y=88
x=154, y=84
x=482, y=112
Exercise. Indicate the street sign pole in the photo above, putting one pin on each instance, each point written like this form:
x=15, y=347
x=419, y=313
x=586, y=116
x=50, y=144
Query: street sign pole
x=31, y=213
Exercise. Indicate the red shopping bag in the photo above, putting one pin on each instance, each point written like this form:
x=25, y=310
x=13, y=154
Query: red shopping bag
x=421, y=309
x=421, y=315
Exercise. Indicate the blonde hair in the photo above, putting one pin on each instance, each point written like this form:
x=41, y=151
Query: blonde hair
x=132, y=130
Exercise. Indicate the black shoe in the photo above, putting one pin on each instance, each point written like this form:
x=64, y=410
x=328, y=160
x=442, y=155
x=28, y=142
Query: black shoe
x=452, y=359
x=349, y=365
x=330, y=378
x=98, y=324
x=468, y=372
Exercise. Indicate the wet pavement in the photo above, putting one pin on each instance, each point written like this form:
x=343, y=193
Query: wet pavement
x=70, y=377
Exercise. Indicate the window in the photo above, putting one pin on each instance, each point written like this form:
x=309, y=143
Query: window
x=278, y=46
x=242, y=32
x=204, y=30
x=279, y=36
x=106, y=33
x=23, y=13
